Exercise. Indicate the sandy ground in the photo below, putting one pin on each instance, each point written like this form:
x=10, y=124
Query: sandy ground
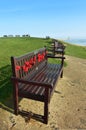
x=67, y=107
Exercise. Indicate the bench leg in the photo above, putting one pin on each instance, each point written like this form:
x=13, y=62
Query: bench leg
x=16, y=105
x=15, y=99
x=46, y=112
x=61, y=74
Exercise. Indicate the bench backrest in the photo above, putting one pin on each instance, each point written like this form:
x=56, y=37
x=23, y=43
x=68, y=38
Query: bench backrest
x=27, y=65
x=58, y=45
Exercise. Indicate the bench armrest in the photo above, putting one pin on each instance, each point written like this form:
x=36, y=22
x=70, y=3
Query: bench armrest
x=32, y=82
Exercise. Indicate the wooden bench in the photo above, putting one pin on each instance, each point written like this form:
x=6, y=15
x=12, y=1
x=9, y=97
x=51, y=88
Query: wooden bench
x=35, y=78
x=57, y=47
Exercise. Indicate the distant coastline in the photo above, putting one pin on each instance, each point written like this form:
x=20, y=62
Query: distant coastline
x=81, y=42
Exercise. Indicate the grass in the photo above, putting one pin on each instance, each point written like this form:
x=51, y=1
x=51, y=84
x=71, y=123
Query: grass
x=19, y=46
x=75, y=50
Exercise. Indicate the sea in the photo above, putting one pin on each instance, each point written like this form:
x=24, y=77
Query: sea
x=81, y=42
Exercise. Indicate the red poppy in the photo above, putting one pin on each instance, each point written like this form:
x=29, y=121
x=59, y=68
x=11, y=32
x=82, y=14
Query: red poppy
x=27, y=63
x=42, y=56
x=18, y=67
x=31, y=62
x=29, y=66
x=39, y=57
x=25, y=68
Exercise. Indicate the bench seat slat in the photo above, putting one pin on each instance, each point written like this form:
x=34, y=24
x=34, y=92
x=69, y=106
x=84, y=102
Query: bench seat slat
x=49, y=74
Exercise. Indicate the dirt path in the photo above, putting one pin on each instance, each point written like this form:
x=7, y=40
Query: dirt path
x=67, y=107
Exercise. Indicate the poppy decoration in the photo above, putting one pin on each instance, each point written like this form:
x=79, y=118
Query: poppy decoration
x=27, y=65
x=41, y=57
x=18, y=67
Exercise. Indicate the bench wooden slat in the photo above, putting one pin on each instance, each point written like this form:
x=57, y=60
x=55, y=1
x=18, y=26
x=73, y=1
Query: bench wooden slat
x=48, y=74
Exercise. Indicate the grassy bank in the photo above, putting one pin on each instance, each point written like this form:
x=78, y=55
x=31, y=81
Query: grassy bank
x=75, y=50
x=18, y=46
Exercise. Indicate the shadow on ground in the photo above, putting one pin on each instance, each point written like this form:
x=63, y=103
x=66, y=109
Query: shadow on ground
x=6, y=101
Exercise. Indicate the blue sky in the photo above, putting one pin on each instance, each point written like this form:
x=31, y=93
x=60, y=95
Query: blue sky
x=41, y=18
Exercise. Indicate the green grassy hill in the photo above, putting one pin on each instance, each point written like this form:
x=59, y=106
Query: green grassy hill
x=75, y=50
x=19, y=46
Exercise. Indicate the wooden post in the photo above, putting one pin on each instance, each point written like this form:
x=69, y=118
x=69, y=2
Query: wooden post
x=54, y=49
x=15, y=97
x=15, y=87
x=61, y=74
x=62, y=63
x=46, y=105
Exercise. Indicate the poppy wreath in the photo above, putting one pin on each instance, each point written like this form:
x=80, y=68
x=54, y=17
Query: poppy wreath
x=32, y=60
x=28, y=64
x=41, y=56
x=18, y=67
